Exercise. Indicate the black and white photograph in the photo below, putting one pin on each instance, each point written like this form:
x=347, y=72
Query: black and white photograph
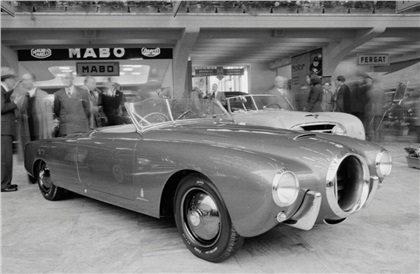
x=210, y=136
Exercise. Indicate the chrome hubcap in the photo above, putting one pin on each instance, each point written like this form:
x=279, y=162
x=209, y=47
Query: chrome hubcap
x=202, y=217
x=45, y=178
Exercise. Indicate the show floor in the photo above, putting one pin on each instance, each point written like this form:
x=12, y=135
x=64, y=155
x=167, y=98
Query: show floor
x=81, y=235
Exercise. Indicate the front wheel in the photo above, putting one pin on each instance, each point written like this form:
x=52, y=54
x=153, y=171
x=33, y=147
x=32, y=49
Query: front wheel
x=203, y=220
x=45, y=182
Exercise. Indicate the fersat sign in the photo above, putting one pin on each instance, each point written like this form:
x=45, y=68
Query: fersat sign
x=41, y=53
x=150, y=52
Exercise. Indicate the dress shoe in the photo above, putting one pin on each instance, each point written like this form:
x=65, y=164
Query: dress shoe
x=15, y=186
x=9, y=189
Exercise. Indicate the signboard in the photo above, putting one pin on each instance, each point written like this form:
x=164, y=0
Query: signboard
x=302, y=65
x=213, y=72
x=373, y=59
x=98, y=69
x=48, y=54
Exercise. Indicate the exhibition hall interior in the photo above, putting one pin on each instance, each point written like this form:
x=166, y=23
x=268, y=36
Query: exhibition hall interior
x=210, y=136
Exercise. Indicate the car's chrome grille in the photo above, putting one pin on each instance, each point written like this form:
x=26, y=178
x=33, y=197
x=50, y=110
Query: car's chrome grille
x=323, y=128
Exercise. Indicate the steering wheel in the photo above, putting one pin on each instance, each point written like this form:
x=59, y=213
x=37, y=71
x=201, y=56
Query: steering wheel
x=272, y=105
x=157, y=113
x=183, y=114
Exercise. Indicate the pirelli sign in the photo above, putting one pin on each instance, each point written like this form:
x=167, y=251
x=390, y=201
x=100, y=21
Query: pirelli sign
x=373, y=59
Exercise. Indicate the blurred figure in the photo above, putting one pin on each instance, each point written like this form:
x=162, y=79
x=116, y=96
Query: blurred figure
x=95, y=99
x=342, y=100
x=287, y=100
x=113, y=104
x=360, y=98
x=327, y=98
x=72, y=107
x=315, y=94
x=8, y=128
x=375, y=111
x=36, y=118
x=215, y=94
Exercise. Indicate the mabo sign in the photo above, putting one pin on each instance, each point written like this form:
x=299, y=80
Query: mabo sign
x=373, y=59
x=98, y=69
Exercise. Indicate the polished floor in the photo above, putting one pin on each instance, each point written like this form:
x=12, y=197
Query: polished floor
x=80, y=235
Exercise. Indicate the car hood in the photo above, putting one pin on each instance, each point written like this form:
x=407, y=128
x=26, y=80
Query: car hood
x=285, y=118
x=286, y=146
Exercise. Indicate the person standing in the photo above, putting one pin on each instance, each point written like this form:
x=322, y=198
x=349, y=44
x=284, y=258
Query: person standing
x=8, y=128
x=315, y=94
x=95, y=99
x=287, y=100
x=327, y=98
x=341, y=101
x=72, y=107
x=215, y=94
x=35, y=119
x=113, y=104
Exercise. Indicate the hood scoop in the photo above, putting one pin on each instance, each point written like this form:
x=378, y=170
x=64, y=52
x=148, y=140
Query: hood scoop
x=304, y=135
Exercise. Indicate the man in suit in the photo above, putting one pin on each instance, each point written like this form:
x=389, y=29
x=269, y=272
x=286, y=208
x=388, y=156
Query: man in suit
x=72, y=107
x=287, y=100
x=341, y=101
x=95, y=99
x=216, y=95
x=8, y=128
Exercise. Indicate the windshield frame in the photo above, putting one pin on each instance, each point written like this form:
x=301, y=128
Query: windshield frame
x=252, y=96
x=135, y=118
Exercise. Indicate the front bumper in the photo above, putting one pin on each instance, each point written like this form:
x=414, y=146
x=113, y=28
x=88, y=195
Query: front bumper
x=307, y=214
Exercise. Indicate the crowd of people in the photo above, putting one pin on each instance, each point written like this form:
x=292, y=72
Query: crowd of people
x=27, y=115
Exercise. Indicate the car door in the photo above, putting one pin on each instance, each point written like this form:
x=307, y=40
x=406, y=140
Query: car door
x=61, y=158
x=105, y=163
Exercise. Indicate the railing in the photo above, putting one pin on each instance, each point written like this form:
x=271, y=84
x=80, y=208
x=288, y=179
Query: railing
x=209, y=7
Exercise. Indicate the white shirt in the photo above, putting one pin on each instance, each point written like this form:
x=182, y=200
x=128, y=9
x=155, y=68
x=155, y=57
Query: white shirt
x=69, y=90
x=31, y=92
x=282, y=92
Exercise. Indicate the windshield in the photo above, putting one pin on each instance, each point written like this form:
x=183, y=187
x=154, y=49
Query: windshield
x=245, y=103
x=154, y=111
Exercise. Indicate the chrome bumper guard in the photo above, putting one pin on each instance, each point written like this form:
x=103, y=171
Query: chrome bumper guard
x=307, y=214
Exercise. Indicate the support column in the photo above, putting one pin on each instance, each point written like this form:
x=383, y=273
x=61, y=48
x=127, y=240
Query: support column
x=9, y=58
x=182, y=52
x=334, y=53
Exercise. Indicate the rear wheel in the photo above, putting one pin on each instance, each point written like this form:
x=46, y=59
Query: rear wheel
x=203, y=220
x=45, y=182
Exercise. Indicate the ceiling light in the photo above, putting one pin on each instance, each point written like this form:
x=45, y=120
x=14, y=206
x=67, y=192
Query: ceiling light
x=128, y=69
x=136, y=73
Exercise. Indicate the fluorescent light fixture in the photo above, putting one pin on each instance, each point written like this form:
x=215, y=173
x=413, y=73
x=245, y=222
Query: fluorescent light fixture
x=136, y=73
x=122, y=73
x=128, y=69
x=64, y=68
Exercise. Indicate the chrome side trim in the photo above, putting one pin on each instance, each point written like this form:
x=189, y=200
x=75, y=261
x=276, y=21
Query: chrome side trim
x=307, y=214
x=374, y=186
x=304, y=135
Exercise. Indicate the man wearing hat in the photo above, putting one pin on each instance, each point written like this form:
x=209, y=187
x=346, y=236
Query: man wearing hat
x=8, y=128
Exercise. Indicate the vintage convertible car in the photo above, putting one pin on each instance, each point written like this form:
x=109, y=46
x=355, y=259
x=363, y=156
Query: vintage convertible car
x=221, y=181
x=264, y=110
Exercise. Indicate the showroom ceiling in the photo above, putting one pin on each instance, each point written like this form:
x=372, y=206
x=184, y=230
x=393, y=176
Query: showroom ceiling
x=229, y=32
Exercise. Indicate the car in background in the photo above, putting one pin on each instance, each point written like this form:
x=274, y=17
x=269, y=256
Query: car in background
x=222, y=182
x=262, y=110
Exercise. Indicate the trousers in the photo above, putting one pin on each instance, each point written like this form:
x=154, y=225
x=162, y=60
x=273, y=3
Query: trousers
x=6, y=160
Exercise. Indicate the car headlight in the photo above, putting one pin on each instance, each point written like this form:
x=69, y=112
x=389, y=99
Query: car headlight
x=383, y=164
x=285, y=188
x=339, y=130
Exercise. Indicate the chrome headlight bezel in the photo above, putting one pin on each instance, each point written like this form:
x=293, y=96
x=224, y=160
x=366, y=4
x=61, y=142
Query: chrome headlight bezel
x=339, y=129
x=383, y=159
x=285, y=188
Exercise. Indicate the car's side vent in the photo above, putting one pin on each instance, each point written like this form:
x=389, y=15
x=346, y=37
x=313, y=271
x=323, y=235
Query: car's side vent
x=304, y=135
